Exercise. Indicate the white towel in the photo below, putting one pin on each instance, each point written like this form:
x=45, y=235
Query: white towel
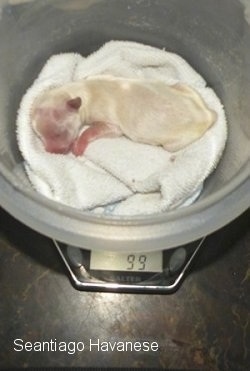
x=115, y=175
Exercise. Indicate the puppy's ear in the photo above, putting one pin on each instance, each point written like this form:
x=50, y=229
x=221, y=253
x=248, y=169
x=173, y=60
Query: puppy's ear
x=74, y=103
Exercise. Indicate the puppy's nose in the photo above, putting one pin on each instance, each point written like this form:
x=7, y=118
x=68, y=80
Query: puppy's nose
x=57, y=148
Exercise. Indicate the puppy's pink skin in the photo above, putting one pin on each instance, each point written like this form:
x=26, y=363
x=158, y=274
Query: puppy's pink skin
x=56, y=121
x=95, y=131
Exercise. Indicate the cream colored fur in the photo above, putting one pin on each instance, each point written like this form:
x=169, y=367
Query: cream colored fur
x=146, y=111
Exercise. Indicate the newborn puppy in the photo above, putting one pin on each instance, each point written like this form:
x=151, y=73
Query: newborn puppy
x=145, y=111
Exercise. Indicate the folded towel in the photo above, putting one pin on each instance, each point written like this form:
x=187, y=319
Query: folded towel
x=115, y=175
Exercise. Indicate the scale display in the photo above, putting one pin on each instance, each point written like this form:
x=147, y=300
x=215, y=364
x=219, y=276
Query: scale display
x=127, y=262
x=157, y=271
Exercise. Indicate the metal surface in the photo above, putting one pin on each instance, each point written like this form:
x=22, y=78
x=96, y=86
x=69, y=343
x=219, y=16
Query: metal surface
x=213, y=37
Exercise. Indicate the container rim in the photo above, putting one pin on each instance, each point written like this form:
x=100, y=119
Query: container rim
x=144, y=233
x=198, y=206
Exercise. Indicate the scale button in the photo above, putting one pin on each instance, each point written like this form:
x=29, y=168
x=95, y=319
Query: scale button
x=75, y=256
x=177, y=259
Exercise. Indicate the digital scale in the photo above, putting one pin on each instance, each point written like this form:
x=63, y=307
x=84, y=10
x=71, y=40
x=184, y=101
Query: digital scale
x=152, y=272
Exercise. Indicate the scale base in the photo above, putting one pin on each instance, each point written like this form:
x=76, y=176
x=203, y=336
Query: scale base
x=176, y=263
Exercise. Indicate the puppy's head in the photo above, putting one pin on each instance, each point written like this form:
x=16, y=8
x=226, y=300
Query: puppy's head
x=56, y=120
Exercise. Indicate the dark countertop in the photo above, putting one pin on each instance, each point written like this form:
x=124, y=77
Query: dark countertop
x=204, y=325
